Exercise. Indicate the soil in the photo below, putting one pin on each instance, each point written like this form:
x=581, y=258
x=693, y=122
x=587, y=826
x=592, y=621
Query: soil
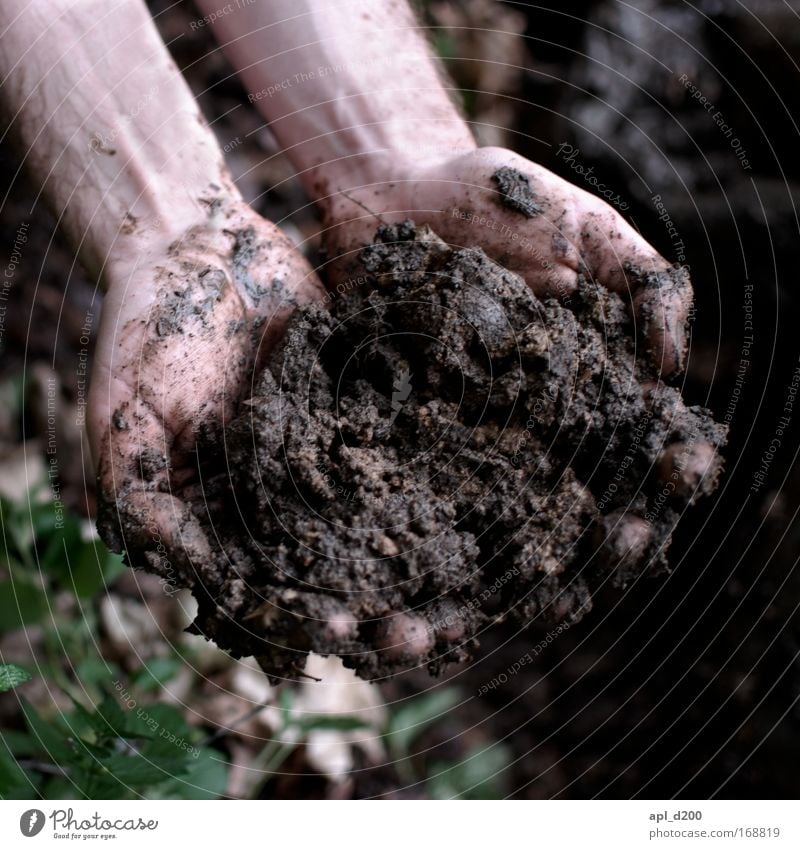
x=439, y=450
x=516, y=192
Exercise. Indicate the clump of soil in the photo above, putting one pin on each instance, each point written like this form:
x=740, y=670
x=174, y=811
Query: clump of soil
x=516, y=192
x=440, y=449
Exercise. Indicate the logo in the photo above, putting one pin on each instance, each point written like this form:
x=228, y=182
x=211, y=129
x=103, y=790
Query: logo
x=31, y=822
x=402, y=389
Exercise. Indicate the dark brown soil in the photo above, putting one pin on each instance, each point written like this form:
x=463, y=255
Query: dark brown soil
x=439, y=450
x=516, y=192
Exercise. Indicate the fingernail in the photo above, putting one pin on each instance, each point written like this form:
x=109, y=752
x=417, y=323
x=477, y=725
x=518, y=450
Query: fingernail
x=406, y=637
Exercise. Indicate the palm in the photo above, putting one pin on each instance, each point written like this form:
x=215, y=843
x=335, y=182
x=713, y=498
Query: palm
x=180, y=337
x=570, y=232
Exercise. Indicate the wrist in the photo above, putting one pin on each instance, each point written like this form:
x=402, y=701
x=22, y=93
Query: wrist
x=155, y=200
x=381, y=181
x=354, y=96
x=166, y=223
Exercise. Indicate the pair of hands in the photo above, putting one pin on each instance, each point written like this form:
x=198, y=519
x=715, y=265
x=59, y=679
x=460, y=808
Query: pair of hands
x=186, y=320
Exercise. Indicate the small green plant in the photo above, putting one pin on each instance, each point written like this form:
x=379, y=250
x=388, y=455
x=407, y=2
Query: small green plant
x=44, y=551
x=105, y=751
x=109, y=753
x=45, y=556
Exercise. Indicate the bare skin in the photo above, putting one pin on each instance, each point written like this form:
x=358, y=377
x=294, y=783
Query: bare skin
x=353, y=93
x=148, y=204
x=140, y=187
x=176, y=362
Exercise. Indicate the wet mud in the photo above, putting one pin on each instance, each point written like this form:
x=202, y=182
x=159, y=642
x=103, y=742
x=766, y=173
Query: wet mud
x=439, y=450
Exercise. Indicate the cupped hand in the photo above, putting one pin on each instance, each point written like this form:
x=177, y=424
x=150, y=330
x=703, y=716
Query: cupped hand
x=531, y=221
x=549, y=232
x=185, y=320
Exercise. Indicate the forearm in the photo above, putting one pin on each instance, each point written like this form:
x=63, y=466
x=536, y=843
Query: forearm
x=350, y=88
x=104, y=122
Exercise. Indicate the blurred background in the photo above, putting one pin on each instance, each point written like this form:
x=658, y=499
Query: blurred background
x=687, y=686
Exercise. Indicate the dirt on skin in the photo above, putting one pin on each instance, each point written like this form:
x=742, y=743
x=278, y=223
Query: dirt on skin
x=516, y=191
x=438, y=450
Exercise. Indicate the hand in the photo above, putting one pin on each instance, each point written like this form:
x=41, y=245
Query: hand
x=186, y=317
x=562, y=231
x=549, y=237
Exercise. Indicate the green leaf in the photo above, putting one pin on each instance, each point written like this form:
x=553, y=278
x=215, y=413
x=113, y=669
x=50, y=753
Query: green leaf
x=478, y=776
x=12, y=396
x=19, y=743
x=22, y=602
x=96, y=670
x=157, y=673
x=18, y=535
x=12, y=676
x=286, y=700
x=87, y=723
x=407, y=723
x=57, y=546
x=206, y=778
x=50, y=738
x=163, y=720
x=329, y=723
x=139, y=770
x=14, y=782
x=82, y=567
x=117, y=722
x=38, y=517
x=93, y=568
x=60, y=787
